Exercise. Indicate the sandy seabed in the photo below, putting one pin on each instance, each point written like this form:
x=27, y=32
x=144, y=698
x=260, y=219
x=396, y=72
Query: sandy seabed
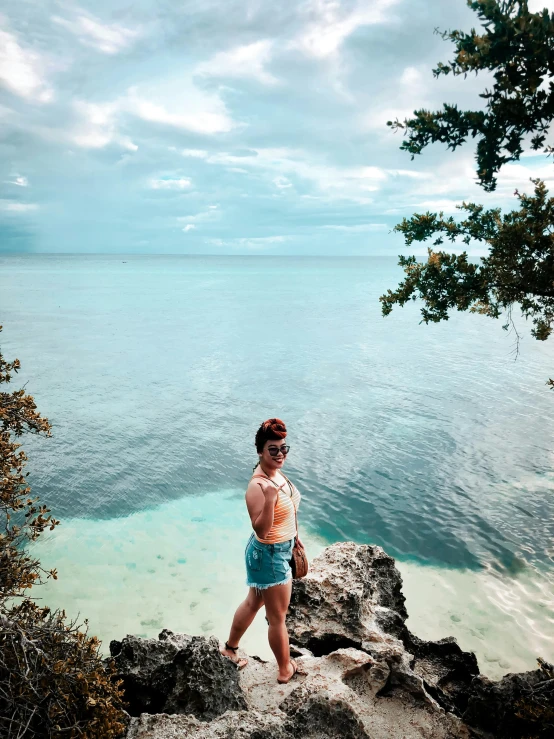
x=181, y=566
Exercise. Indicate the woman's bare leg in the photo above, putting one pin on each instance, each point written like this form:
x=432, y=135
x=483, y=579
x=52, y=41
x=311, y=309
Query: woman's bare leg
x=244, y=615
x=277, y=599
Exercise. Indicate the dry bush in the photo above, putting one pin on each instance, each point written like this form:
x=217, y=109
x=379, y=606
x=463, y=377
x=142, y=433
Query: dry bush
x=53, y=682
x=52, y=679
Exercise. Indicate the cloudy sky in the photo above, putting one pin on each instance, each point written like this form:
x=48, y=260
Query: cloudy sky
x=227, y=126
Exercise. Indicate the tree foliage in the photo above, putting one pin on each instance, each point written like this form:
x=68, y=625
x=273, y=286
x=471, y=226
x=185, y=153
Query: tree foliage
x=519, y=267
x=518, y=47
x=53, y=683
x=23, y=521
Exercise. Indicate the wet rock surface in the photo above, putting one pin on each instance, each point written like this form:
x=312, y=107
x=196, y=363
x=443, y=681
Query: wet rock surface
x=363, y=673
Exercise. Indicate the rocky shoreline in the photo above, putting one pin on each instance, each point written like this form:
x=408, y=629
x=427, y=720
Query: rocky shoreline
x=367, y=675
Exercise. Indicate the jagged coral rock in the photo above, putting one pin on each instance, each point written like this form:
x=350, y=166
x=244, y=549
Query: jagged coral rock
x=336, y=698
x=446, y=670
x=231, y=725
x=364, y=674
x=177, y=674
x=353, y=597
x=515, y=706
x=350, y=596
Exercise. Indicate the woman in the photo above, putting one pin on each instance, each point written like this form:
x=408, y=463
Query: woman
x=272, y=501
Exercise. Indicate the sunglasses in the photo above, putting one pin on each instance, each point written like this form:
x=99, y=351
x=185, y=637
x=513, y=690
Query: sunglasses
x=274, y=451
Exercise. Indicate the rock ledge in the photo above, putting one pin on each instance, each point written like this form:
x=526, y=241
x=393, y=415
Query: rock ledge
x=366, y=675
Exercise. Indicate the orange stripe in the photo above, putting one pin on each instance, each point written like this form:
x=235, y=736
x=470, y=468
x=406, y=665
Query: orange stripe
x=283, y=527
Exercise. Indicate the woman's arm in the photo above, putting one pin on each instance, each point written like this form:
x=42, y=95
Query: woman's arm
x=260, y=501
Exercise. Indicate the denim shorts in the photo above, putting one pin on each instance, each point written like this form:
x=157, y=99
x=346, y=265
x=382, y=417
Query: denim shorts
x=267, y=564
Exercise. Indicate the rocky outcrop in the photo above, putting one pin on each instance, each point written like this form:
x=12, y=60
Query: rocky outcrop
x=353, y=597
x=177, y=674
x=337, y=697
x=515, y=706
x=363, y=673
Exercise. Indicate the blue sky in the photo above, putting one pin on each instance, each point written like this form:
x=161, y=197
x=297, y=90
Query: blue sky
x=228, y=127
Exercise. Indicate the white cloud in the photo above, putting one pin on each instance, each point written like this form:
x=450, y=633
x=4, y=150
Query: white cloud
x=92, y=140
x=517, y=176
x=453, y=175
x=455, y=180
x=412, y=94
x=535, y=6
x=195, y=153
x=413, y=174
x=282, y=183
x=107, y=38
x=199, y=111
x=9, y=206
x=331, y=22
x=21, y=70
x=129, y=145
x=445, y=205
x=189, y=227
x=18, y=180
x=212, y=214
x=377, y=117
x=411, y=77
x=97, y=126
x=170, y=183
x=256, y=242
x=358, y=228
x=242, y=61
x=350, y=183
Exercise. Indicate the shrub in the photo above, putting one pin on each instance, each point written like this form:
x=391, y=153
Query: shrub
x=53, y=682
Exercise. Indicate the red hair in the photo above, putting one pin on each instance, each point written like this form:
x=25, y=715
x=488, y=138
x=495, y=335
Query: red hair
x=273, y=428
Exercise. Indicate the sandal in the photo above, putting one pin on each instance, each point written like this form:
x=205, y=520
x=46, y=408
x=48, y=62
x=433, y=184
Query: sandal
x=295, y=672
x=240, y=662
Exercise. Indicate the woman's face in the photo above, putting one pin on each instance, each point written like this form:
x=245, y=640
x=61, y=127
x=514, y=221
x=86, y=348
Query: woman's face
x=273, y=462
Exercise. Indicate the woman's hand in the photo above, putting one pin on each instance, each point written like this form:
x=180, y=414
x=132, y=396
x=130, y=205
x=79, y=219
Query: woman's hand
x=269, y=490
x=299, y=543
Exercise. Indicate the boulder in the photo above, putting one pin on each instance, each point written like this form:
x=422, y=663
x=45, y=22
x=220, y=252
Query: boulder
x=176, y=674
x=352, y=596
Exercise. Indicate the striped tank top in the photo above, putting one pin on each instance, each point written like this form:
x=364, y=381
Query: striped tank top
x=284, y=519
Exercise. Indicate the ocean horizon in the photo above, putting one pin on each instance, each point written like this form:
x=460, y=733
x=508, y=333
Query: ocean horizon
x=155, y=371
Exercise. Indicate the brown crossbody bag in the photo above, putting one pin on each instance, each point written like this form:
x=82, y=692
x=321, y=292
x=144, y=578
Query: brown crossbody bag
x=298, y=561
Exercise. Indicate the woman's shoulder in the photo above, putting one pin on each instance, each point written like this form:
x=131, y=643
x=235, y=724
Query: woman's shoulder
x=254, y=483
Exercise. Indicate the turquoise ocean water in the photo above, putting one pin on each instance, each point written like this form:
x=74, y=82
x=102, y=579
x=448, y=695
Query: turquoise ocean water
x=155, y=372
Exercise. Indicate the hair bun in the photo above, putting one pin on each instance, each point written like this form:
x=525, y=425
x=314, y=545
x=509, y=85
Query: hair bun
x=273, y=428
x=276, y=424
